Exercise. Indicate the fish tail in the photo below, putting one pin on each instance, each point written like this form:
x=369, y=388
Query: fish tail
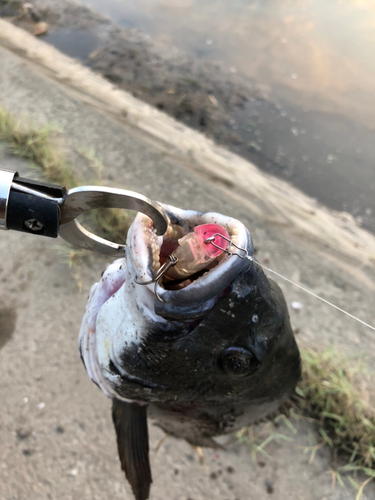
x=130, y=421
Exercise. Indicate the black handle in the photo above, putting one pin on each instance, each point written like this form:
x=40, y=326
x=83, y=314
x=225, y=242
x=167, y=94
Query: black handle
x=34, y=213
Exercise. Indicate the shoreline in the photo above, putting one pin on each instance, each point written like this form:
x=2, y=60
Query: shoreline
x=273, y=200
x=257, y=123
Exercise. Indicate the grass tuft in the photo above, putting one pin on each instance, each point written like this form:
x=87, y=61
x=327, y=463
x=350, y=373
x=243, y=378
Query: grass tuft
x=36, y=145
x=331, y=396
x=260, y=440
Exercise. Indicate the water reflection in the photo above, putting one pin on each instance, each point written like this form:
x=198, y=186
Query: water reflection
x=76, y=43
x=315, y=60
x=313, y=46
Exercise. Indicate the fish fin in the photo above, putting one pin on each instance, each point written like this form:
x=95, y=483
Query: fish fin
x=130, y=421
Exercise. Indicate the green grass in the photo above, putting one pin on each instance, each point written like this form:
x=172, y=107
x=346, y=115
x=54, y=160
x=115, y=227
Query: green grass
x=331, y=396
x=38, y=146
x=35, y=145
x=260, y=440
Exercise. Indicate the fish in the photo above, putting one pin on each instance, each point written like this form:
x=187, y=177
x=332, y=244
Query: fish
x=202, y=353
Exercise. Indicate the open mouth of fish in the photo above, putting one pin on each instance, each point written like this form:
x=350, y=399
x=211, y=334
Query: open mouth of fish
x=147, y=252
x=127, y=304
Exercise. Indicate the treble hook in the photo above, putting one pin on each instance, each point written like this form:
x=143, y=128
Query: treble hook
x=158, y=276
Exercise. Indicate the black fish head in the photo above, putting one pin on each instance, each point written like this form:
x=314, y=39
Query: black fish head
x=219, y=340
x=243, y=350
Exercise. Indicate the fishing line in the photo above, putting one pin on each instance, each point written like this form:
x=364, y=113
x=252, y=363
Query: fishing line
x=311, y=293
x=247, y=256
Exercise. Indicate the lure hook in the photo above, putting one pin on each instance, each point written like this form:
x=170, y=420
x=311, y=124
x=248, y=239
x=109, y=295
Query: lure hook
x=158, y=276
x=211, y=240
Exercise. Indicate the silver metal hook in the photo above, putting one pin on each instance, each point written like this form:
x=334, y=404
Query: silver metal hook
x=81, y=199
x=158, y=276
x=211, y=240
x=163, y=270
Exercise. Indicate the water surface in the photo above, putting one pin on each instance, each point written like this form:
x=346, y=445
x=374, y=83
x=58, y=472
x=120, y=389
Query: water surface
x=314, y=60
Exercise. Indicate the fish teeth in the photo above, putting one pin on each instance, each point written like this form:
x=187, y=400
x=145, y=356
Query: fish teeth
x=151, y=237
x=174, y=232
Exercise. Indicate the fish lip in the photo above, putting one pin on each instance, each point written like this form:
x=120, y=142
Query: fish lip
x=200, y=296
x=138, y=381
x=114, y=369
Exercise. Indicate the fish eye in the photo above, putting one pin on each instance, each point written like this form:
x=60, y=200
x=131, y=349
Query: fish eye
x=238, y=362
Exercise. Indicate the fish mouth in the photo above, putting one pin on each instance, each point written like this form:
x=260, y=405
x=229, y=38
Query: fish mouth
x=190, y=297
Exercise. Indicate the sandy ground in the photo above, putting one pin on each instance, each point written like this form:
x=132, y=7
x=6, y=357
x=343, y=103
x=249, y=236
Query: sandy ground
x=56, y=436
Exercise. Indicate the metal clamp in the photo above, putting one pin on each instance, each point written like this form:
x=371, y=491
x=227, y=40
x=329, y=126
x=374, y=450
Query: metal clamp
x=81, y=199
x=6, y=180
x=48, y=210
